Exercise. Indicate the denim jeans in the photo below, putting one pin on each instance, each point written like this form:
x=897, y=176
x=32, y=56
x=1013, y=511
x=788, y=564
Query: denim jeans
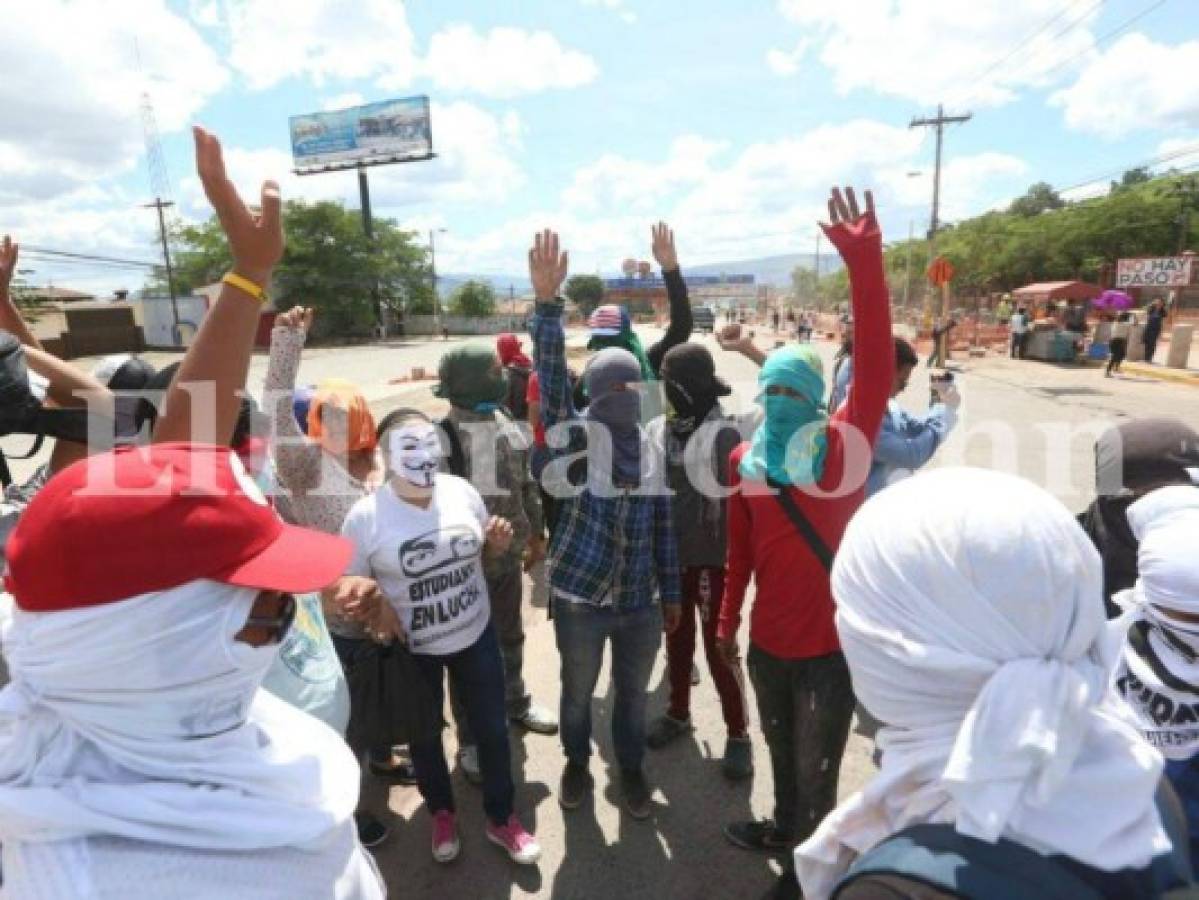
x=505, y=587
x=478, y=676
x=805, y=707
x=581, y=631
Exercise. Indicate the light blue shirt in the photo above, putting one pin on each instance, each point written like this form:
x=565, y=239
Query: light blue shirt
x=841, y=378
x=906, y=442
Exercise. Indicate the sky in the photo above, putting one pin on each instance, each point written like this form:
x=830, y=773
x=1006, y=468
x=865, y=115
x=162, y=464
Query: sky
x=730, y=119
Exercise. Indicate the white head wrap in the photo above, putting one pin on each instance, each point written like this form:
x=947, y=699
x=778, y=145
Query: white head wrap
x=969, y=606
x=1158, y=675
x=143, y=719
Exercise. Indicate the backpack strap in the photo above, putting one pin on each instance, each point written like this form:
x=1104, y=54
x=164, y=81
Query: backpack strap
x=457, y=459
x=805, y=528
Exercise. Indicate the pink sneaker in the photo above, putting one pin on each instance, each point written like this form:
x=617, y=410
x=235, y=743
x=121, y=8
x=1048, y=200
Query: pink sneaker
x=445, y=837
x=519, y=844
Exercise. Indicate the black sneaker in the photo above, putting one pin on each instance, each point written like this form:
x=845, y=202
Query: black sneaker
x=575, y=786
x=762, y=835
x=371, y=832
x=636, y=794
x=665, y=729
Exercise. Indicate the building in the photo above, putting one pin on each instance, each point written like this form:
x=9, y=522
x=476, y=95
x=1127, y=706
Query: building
x=646, y=293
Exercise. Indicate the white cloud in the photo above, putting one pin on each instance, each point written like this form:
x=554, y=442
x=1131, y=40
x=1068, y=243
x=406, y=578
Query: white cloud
x=1133, y=85
x=784, y=62
x=321, y=41
x=943, y=50
x=620, y=7
x=765, y=199
x=343, y=101
x=504, y=62
x=71, y=90
x=1182, y=152
x=205, y=13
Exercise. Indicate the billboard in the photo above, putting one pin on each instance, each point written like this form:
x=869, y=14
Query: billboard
x=1161, y=271
x=387, y=131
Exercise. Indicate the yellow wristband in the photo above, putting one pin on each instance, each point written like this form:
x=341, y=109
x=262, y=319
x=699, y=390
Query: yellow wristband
x=245, y=285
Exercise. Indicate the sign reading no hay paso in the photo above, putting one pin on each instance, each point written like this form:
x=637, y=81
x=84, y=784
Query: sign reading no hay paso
x=389, y=131
x=1159, y=271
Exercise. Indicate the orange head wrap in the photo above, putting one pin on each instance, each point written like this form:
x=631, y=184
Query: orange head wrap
x=360, y=424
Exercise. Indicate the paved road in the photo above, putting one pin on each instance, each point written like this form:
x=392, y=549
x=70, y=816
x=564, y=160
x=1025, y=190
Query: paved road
x=1031, y=417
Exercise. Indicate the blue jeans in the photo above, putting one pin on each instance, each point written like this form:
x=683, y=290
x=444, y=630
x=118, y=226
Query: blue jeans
x=581, y=631
x=478, y=676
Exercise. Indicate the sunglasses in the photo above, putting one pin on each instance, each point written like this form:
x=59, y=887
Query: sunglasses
x=276, y=626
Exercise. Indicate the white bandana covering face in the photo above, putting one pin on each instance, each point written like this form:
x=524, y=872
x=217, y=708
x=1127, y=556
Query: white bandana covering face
x=143, y=719
x=1159, y=674
x=969, y=607
x=414, y=451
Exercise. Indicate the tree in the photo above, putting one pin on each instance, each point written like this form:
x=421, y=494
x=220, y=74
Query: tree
x=474, y=299
x=328, y=264
x=587, y=291
x=1038, y=198
x=1132, y=178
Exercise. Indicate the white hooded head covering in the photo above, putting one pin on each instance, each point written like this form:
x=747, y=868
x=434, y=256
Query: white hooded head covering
x=143, y=719
x=1158, y=672
x=969, y=606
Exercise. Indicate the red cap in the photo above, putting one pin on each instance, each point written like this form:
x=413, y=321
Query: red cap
x=143, y=519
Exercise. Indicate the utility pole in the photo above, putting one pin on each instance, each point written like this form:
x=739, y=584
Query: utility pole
x=1187, y=192
x=938, y=122
x=433, y=274
x=512, y=304
x=160, y=204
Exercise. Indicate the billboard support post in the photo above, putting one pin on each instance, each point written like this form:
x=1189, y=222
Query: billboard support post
x=374, y=134
x=368, y=228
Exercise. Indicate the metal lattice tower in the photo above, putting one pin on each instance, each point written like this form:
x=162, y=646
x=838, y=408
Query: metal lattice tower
x=156, y=163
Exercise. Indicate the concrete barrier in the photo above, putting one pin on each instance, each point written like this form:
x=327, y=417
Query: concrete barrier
x=1180, y=346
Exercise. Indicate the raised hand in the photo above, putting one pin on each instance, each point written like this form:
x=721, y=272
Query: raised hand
x=255, y=239
x=663, y=247
x=735, y=338
x=8, y=263
x=843, y=209
x=298, y=317
x=547, y=267
x=498, y=535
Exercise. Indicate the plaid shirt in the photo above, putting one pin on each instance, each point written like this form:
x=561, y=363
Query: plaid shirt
x=617, y=549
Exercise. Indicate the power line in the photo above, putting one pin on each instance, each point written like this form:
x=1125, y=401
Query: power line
x=70, y=254
x=1145, y=164
x=1032, y=37
x=1128, y=23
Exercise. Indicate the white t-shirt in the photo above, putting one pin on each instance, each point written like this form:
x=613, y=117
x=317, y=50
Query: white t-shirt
x=428, y=562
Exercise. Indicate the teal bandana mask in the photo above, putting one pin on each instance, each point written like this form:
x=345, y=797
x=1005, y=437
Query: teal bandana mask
x=775, y=453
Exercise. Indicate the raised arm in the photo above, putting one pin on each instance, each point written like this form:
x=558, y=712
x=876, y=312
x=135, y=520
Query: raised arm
x=857, y=238
x=216, y=364
x=70, y=387
x=678, y=329
x=11, y=319
x=296, y=458
x=547, y=269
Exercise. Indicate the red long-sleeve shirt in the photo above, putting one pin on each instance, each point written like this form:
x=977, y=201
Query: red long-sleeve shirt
x=792, y=616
